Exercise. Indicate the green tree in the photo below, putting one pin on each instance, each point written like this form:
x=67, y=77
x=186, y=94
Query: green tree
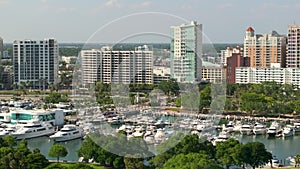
x=191, y=160
x=255, y=154
x=10, y=141
x=169, y=87
x=205, y=97
x=56, y=98
x=58, y=150
x=56, y=166
x=36, y=161
x=133, y=163
x=225, y=151
x=297, y=160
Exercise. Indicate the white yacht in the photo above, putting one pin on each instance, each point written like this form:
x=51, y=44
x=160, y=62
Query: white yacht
x=228, y=127
x=259, y=129
x=274, y=129
x=288, y=131
x=223, y=136
x=297, y=127
x=68, y=132
x=138, y=132
x=160, y=135
x=32, y=130
x=246, y=129
x=6, y=131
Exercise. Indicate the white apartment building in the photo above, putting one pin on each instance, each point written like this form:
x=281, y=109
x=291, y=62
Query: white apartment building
x=90, y=65
x=111, y=66
x=246, y=75
x=35, y=61
x=212, y=73
x=186, y=51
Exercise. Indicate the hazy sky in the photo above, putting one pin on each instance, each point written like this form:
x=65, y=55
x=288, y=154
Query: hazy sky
x=137, y=20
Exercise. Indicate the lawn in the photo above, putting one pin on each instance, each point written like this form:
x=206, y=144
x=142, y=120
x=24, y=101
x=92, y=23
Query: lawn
x=69, y=165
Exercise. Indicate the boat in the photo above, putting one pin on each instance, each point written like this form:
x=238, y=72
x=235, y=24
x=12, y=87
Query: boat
x=7, y=131
x=274, y=162
x=159, y=135
x=288, y=131
x=246, y=129
x=205, y=126
x=274, y=129
x=297, y=127
x=223, y=136
x=32, y=130
x=228, y=127
x=68, y=132
x=259, y=129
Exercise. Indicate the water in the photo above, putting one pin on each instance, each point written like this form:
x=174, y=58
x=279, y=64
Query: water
x=280, y=147
x=44, y=144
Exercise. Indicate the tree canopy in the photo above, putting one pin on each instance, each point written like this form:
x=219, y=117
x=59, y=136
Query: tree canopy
x=58, y=150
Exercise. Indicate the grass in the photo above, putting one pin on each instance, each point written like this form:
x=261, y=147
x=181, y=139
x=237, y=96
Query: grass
x=69, y=165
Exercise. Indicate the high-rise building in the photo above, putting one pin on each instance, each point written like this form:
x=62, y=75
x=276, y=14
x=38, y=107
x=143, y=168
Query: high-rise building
x=35, y=62
x=186, y=51
x=1, y=48
x=110, y=66
x=90, y=66
x=266, y=49
x=233, y=62
x=293, y=54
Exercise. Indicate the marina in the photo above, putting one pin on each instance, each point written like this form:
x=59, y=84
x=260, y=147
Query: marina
x=42, y=128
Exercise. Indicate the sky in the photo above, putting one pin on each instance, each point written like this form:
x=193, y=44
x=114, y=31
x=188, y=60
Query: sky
x=112, y=21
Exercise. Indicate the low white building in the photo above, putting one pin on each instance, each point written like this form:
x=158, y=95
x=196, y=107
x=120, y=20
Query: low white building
x=246, y=75
x=53, y=116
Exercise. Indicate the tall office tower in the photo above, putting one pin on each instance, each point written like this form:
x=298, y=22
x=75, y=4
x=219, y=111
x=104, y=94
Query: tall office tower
x=265, y=51
x=293, y=55
x=35, y=62
x=1, y=48
x=110, y=66
x=186, y=51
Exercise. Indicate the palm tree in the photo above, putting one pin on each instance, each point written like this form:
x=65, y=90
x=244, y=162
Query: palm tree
x=297, y=160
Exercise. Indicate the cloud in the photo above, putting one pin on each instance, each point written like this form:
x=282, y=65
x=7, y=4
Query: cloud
x=142, y=5
x=108, y=4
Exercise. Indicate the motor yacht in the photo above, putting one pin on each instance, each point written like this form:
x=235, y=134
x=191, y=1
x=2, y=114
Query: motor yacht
x=223, y=136
x=246, y=129
x=6, y=131
x=259, y=129
x=288, y=131
x=297, y=127
x=274, y=129
x=32, y=130
x=68, y=132
x=228, y=127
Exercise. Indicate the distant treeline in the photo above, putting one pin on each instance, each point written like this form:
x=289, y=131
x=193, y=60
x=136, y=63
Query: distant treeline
x=72, y=49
